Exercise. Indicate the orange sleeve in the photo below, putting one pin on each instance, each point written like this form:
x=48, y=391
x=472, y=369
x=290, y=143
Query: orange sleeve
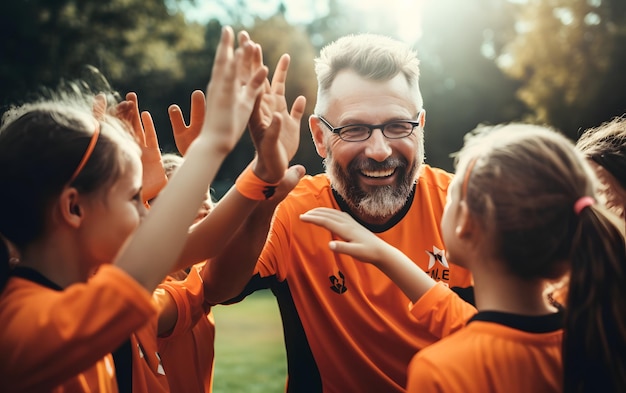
x=49, y=336
x=442, y=311
x=188, y=296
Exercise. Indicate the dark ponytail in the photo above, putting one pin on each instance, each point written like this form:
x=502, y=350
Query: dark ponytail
x=594, y=342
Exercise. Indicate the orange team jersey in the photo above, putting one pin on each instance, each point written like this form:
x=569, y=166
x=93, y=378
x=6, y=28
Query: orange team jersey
x=441, y=311
x=61, y=340
x=347, y=326
x=188, y=351
x=496, y=352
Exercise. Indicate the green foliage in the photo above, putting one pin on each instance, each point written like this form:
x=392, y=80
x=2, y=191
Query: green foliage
x=461, y=85
x=486, y=61
x=48, y=40
x=569, y=56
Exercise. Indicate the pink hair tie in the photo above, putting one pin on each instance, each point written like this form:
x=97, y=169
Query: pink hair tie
x=582, y=203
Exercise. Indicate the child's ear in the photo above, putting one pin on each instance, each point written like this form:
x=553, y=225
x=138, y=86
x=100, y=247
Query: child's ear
x=69, y=208
x=466, y=225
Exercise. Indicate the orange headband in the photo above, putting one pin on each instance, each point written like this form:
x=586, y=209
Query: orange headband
x=83, y=161
x=468, y=172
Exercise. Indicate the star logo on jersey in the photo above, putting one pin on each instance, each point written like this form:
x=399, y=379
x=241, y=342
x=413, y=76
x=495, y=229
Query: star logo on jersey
x=437, y=255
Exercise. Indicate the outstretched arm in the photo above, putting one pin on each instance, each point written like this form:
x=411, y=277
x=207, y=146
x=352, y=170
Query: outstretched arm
x=159, y=240
x=437, y=309
x=275, y=132
x=365, y=246
x=276, y=140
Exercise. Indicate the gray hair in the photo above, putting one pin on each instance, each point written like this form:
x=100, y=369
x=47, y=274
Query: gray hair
x=371, y=56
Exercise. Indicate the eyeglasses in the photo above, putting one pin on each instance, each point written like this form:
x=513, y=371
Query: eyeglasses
x=396, y=129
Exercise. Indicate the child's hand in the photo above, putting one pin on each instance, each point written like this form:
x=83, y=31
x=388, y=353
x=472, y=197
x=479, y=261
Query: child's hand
x=274, y=130
x=358, y=241
x=185, y=134
x=236, y=81
x=154, y=178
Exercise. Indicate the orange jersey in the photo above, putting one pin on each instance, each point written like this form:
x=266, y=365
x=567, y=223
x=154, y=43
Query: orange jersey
x=56, y=340
x=441, y=311
x=496, y=352
x=347, y=325
x=188, y=351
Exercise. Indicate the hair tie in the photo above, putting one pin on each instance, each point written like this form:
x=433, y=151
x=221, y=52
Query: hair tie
x=90, y=148
x=582, y=203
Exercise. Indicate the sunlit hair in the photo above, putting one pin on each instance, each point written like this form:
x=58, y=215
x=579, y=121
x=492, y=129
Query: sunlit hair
x=605, y=146
x=371, y=56
x=522, y=188
x=41, y=145
x=171, y=162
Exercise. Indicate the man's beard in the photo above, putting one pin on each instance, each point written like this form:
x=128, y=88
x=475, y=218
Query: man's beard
x=376, y=202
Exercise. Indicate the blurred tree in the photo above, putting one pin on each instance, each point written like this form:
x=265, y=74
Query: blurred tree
x=461, y=84
x=45, y=40
x=137, y=45
x=327, y=28
x=570, y=57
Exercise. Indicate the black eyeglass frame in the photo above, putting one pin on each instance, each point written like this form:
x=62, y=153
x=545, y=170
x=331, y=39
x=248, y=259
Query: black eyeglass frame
x=371, y=127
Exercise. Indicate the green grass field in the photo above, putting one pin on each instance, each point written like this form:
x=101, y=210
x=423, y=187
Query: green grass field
x=249, y=347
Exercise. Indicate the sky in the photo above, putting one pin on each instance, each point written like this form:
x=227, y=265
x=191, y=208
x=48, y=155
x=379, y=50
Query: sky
x=304, y=11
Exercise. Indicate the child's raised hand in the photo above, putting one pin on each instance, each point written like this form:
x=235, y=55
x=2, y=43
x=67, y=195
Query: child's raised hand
x=154, y=178
x=236, y=81
x=358, y=241
x=274, y=130
x=185, y=134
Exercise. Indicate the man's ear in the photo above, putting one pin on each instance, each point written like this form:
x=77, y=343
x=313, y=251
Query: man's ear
x=317, y=132
x=69, y=207
x=422, y=118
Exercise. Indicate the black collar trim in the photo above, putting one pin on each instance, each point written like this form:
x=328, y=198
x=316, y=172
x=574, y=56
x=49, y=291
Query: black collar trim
x=33, y=275
x=531, y=324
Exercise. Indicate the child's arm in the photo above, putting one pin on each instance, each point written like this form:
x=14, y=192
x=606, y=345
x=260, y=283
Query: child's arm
x=157, y=243
x=365, y=246
x=438, y=309
x=231, y=268
x=276, y=136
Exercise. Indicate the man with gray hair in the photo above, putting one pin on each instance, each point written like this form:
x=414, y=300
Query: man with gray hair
x=347, y=327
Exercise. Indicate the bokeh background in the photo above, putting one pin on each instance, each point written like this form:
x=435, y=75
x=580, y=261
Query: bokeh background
x=555, y=62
